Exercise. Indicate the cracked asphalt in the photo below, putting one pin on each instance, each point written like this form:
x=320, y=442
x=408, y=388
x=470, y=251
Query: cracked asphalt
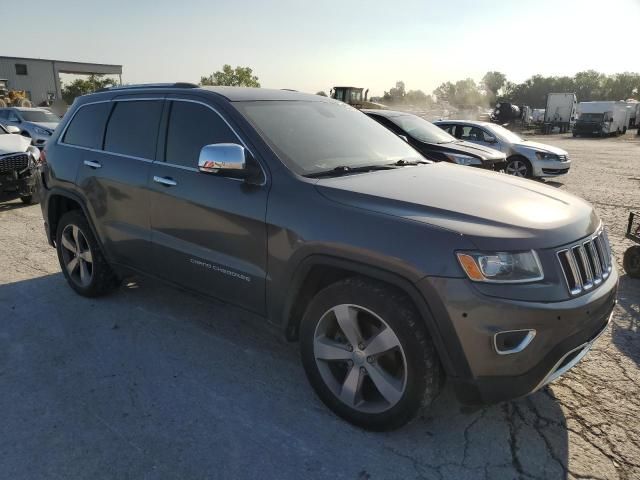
x=155, y=383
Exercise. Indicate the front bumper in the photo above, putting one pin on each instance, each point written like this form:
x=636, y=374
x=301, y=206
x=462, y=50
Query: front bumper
x=18, y=183
x=550, y=168
x=468, y=321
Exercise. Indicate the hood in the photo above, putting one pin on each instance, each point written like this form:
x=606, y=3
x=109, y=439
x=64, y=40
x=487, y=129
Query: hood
x=12, y=143
x=48, y=125
x=540, y=147
x=496, y=210
x=485, y=153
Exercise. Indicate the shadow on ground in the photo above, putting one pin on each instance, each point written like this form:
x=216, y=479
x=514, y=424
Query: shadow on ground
x=9, y=203
x=156, y=383
x=624, y=331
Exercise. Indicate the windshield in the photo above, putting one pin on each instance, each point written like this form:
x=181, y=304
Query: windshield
x=422, y=130
x=504, y=134
x=591, y=117
x=39, y=116
x=314, y=137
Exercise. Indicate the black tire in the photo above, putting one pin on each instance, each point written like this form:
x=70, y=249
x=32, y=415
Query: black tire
x=575, y=134
x=624, y=130
x=29, y=200
x=102, y=279
x=631, y=261
x=528, y=171
x=422, y=366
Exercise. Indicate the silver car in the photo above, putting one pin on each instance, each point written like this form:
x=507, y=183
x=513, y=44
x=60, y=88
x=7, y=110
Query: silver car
x=35, y=123
x=524, y=158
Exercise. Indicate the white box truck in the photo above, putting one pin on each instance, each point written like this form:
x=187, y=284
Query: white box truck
x=602, y=118
x=561, y=112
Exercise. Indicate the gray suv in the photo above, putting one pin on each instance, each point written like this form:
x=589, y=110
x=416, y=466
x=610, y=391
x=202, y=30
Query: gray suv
x=391, y=271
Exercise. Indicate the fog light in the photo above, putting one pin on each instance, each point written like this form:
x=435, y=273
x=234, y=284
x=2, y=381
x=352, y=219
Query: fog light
x=512, y=341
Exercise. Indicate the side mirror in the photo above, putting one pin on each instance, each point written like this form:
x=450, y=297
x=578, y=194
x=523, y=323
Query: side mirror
x=404, y=137
x=610, y=120
x=222, y=158
x=490, y=139
x=12, y=129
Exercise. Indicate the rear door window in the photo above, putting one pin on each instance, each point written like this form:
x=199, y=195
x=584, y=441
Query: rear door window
x=191, y=127
x=87, y=126
x=133, y=128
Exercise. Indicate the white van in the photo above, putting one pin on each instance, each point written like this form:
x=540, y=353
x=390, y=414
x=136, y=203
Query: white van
x=602, y=118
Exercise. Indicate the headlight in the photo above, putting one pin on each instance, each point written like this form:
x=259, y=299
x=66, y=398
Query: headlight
x=34, y=155
x=501, y=267
x=546, y=156
x=42, y=131
x=463, y=159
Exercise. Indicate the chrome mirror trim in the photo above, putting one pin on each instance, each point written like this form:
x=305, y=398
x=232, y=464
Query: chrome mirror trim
x=222, y=157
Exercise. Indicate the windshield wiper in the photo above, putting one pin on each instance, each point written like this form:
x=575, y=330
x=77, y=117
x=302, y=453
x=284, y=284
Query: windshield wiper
x=405, y=163
x=347, y=170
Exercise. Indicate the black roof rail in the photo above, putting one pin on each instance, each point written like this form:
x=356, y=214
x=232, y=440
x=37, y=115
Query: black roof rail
x=149, y=85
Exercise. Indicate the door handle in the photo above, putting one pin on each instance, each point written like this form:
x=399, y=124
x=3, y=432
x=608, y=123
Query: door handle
x=92, y=164
x=169, y=182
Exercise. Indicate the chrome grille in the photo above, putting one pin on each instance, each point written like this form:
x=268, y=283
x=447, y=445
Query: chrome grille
x=12, y=163
x=586, y=264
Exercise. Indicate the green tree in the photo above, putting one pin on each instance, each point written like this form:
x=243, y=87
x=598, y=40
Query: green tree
x=622, y=86
x=493, y=82
x=232, y=77
x=589, y=85
x=82, y=86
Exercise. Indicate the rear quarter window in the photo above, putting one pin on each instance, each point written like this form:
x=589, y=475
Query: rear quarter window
x=133, y=128
x=87, y=126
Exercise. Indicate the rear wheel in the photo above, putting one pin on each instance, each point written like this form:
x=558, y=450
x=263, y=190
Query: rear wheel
x=81, y=259
x=631, y=261
x=367, y=354
x=519, y=167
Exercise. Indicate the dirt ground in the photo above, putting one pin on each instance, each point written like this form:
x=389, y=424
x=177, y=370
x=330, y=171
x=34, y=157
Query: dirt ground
x=151, y=382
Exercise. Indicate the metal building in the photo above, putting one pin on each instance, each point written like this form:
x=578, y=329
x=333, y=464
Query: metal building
x=40, y=78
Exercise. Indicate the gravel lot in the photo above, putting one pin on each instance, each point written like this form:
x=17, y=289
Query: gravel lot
x=151, y=382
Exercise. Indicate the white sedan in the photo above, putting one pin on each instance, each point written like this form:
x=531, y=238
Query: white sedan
x=524, y=158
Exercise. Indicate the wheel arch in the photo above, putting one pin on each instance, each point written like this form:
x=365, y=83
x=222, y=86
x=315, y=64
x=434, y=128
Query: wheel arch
x=318, y=271
x=60, y=202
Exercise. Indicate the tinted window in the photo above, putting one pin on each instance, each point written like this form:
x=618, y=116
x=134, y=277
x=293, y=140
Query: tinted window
x=421, y=129
x=133, y=128
x=87, y=126
x=4, y=113
x=191, y=127
x=313, y=137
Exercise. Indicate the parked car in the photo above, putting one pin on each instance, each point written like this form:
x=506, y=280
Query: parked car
x=37, y=124
x=524, y=158
x=18, y=162
x=435, y=144
x=388, y=269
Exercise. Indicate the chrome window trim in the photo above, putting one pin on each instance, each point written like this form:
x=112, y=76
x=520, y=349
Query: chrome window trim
x=163, y=162
x=237, y=135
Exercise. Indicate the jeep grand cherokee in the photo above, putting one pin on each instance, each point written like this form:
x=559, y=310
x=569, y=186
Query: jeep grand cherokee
x=390, y=270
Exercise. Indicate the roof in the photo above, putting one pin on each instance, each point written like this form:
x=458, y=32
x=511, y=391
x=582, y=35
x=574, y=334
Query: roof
x=233, y=94
x=464, y=122
x=386, y=113
x=59, y=61
x=246, y=94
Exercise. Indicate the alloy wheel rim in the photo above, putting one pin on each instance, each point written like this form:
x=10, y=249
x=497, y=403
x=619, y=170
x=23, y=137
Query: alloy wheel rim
x=360, y=358
x=76, y=255
x=517, y=168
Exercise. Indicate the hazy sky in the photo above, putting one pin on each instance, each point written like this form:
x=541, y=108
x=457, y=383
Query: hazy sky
x=311, y=46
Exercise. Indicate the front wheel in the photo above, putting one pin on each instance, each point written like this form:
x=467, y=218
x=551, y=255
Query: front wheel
x=81, y=259
x=367, y=354
x=519, y=167
x=631, y=261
